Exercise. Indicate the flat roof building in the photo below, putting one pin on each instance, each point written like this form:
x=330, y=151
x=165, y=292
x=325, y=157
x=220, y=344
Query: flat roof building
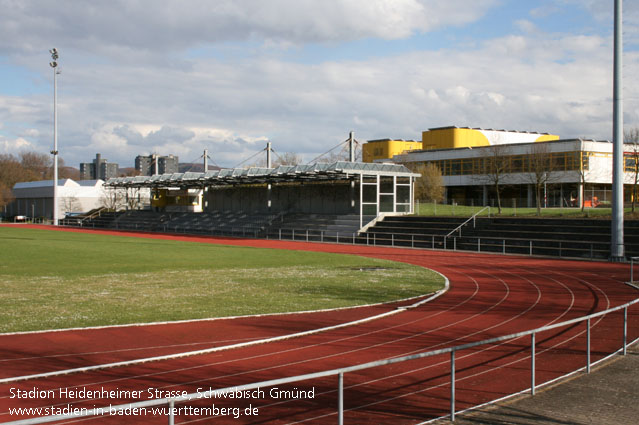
x=35, y=199
x=450, y=138
x=151, y=165
x=100, y=168
x=571, y=171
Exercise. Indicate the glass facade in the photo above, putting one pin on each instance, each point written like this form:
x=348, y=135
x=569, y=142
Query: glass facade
x=557, y=161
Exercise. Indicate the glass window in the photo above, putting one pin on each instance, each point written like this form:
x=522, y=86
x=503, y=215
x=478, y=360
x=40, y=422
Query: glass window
x=386, y=185
x=369, y=209
x=369, y=193
x=455, y=167
x=585, y=161
x=517, y=164
x=467, y=166
x=629, y=163
x=403, y=194
x=386, y=203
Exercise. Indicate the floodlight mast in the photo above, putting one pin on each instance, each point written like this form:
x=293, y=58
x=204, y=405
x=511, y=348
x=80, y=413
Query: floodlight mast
x=617, y=237
x=54, y=152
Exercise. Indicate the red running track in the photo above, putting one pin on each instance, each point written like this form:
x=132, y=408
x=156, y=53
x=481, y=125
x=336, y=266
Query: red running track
x=489, y=296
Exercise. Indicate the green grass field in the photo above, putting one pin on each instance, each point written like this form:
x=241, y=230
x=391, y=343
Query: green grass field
x=52, y=280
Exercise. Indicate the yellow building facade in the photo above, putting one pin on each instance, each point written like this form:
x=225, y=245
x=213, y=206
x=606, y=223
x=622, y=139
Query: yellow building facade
x=387, y=148
x=450, y=138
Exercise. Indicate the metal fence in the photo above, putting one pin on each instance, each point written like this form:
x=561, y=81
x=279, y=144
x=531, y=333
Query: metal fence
x=541, y=247
x=340, y=372
x=518, y=246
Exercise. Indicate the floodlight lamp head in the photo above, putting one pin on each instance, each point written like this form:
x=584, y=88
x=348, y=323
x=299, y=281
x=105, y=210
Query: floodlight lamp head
x=53, y=51
x=53, y=64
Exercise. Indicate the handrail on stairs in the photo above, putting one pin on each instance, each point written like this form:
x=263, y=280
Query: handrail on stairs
x=459, y=228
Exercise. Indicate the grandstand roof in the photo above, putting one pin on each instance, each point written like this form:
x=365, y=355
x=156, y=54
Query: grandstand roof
x=231, y=176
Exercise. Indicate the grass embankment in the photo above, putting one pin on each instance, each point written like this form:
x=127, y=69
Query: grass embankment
x=444, y=210
x=51, y=280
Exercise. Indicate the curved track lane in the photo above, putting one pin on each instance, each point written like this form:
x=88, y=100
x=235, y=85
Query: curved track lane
x=489, y=296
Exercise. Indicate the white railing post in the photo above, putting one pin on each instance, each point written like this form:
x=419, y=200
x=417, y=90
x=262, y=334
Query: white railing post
x=171, y=411
x=452, y=385
x=340, y=398
x=625, y=330
x=531, y=248
x=588, y=346
x=532, y=363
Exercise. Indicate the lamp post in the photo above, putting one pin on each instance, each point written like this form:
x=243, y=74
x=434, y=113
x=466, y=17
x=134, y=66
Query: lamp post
x=54, y=152
x=617, y=253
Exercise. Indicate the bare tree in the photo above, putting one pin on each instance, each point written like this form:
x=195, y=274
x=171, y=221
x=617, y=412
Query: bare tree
x=71, y=204
x=28, y=166
x=540, y=167
x=132, y=198
x=631, y=137
x=496, y=166
x=38, y=163
x=113, y=198
x=343, y=154
x=69, y=173
x=12, y=171
x=6, y=195
x=287, y=158
x=430, y=186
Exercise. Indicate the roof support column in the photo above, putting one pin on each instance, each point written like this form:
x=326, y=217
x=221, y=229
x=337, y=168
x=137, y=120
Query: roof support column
x=351, y=147
x=412, y=195
x=361, y=201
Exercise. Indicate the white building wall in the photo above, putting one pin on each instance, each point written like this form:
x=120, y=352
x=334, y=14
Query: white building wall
x=36, y=198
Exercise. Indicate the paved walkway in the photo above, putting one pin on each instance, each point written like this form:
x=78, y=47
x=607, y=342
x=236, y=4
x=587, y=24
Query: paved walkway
x=609, y=395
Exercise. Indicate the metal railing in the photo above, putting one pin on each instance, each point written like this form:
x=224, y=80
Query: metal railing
x=490, y=244
x=473, y=218
x=541, y=247
x=96, y=213
x=340, y=372
x=487, y=244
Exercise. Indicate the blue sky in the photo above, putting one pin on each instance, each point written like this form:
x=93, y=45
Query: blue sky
x=176, y=77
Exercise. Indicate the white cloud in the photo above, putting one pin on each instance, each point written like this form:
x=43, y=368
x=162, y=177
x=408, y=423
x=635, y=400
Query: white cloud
x=12, y=146
x=115, y=26
x=133, y=91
